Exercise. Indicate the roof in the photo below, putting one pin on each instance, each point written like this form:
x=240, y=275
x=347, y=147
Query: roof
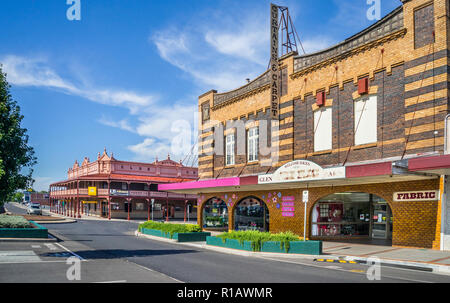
x=123, y=177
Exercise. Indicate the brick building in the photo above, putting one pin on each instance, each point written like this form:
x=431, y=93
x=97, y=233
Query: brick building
x=361, y=127
x=112, y=188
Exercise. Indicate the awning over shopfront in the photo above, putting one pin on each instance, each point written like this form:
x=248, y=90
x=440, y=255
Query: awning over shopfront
x=439, y=165
x=305, y=174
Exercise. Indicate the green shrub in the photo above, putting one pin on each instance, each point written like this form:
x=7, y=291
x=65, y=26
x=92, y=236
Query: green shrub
x=170, y=227
x=257, y=238
x=7, y=221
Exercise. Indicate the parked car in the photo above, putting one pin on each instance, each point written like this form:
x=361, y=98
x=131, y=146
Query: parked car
x=34, y=209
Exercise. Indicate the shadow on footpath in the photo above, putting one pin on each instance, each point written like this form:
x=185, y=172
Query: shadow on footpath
x=123, y=253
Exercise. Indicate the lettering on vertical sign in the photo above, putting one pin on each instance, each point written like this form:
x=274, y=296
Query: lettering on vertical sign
x=274, y=69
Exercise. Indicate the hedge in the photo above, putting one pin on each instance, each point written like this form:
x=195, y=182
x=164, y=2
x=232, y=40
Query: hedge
x=8, y=221
x=257, y=238
x=170, y=227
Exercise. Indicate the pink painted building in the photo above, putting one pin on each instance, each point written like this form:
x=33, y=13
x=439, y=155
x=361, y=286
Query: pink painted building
x=112, y=188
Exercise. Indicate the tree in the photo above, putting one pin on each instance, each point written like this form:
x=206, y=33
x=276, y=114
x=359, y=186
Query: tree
x=15, y=154
x=18, y=197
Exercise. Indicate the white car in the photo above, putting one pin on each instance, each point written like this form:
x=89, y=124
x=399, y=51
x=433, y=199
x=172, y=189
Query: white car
x=34, y=209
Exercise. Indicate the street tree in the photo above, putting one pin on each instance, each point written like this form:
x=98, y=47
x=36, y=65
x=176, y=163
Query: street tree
x=16, y=156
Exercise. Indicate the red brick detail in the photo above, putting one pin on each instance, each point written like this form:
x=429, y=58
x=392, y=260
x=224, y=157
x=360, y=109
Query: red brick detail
x=363, y=86
x=320, y=99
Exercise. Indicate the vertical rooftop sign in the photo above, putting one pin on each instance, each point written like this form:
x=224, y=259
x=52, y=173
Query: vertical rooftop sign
x=274, y=91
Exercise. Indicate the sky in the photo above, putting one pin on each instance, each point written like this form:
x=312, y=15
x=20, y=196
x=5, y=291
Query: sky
x=127, y=75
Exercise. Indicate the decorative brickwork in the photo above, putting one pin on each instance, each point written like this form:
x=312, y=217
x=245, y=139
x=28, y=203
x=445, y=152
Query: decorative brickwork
x=414, y=223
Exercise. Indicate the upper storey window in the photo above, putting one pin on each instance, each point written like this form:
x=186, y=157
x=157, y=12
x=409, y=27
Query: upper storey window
x=424, y=26
x=365, y=120
x=230, y=149
x=323, y=129
x=205, y=112
x=252, y=144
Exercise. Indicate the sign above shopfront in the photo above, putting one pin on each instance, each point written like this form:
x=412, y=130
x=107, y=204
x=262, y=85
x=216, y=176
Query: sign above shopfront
x=302, y=170
x=426, y=195
x=118, y=192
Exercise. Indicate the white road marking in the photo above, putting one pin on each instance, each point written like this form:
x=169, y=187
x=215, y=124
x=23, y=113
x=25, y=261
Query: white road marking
x=70, y=252
x=35, y=246
x=119, y=281
x=146, y=268
x=50, y=246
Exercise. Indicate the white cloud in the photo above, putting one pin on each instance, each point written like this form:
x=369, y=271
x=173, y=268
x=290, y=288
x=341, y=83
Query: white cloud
x=22, y=71
x=218, y=57
x=42, y=183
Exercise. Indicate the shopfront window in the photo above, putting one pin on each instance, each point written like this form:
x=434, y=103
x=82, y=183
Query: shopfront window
x=215, y=214
x=346, y=214
x=251, y=214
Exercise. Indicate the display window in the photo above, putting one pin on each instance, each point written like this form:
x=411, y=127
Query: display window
x=215, y=214
x=350, y=214
x=251, y=214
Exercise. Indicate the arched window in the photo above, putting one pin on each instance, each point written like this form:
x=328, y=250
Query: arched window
x=251, y=214
x=215, y=214
x=352, y=214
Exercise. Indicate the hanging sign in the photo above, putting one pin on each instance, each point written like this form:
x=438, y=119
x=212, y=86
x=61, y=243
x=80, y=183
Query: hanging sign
x=274, y=70
x=426, y=195
x=302, y=170
x=92, y=191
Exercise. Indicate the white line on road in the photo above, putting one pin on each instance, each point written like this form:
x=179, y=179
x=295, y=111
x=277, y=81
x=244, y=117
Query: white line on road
x=119, y=281
x=70, y=252
x=50, y=246
x=149, y=269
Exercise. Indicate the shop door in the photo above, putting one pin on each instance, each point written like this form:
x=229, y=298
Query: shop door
x=381, y=221
x=104, y=209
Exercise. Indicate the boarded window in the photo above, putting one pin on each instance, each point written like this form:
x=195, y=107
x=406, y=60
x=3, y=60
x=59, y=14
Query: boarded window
x=284, y=81
x=366, y=120
x=323, y=129
x=423, y=26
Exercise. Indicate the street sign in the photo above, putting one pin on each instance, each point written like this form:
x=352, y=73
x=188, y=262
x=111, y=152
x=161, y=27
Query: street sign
x=305, y=200
x=305, y=196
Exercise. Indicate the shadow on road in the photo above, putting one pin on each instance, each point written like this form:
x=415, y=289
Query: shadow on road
x=123, y=253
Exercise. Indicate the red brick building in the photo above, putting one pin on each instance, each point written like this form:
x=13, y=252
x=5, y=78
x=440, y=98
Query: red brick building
x=360, y=134
x=112, y=188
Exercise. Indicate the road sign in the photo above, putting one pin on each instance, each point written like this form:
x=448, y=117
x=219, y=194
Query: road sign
x=305, y=196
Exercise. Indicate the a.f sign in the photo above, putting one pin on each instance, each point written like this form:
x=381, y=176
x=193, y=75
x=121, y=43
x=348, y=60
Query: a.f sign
x=374, y=12
x=374, y=271
x=74, y=271
x=74, y=12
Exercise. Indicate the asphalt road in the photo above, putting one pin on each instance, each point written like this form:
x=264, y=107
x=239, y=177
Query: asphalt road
x=111, y=252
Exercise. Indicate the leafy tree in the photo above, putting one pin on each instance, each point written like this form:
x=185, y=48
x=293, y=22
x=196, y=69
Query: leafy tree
x=18, y=197
x=15, y=154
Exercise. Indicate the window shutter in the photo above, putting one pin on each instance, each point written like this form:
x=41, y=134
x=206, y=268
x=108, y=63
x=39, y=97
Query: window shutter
x=320, y=99
x=363, y=86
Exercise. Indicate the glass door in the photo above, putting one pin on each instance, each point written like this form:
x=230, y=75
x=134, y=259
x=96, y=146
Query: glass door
x=381, y=220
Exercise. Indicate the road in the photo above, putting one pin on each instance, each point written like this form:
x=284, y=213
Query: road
x=111, y=252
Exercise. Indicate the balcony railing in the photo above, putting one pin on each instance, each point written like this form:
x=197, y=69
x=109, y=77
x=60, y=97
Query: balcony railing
x=102, y=192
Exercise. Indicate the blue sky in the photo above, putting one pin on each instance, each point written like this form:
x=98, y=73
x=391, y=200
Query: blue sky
x=121, y=76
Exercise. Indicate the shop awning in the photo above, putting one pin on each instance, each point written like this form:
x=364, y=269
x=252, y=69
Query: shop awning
x=294, y=176
x=439, y=165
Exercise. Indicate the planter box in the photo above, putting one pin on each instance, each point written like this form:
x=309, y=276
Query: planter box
x=296, y=247
x=180, y=237
x=38, y=232
x=230, y=243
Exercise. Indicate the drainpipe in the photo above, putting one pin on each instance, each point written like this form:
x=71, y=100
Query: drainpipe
x=446, y=134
